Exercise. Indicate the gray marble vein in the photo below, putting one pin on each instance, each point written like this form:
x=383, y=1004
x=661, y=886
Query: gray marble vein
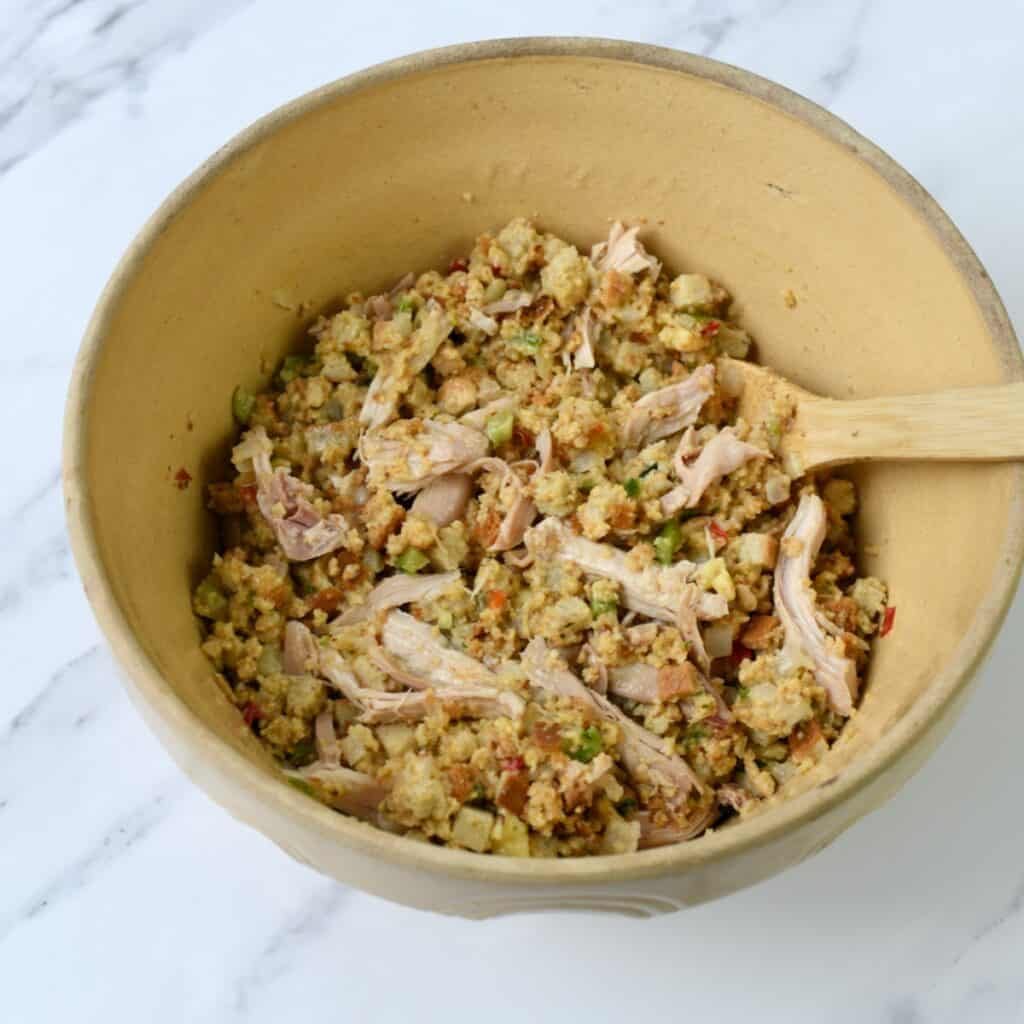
x=61, y=57
x=121, y=837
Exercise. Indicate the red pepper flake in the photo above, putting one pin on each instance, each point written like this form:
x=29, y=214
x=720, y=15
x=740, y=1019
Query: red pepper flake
x=496, y=270
x=718, y=531
x=710, y=329
x=250, y=714
x=457, y=265
x=496, y=600
x=182, y=478
x=887, y=621
x=740, y=653
x=248, y=493
x=513, y=764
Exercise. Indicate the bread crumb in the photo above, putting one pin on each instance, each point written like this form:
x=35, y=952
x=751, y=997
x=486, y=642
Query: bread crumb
x=467, y=197
x=789, y=298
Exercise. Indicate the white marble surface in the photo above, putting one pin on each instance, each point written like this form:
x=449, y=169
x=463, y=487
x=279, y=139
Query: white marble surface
x=126, y=894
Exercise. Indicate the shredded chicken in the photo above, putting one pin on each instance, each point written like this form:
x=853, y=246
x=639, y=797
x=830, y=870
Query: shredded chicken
x=327, y=748
x=410, y=454
x=584, y=356
x=669, y=409
x=656, y=591
x=477, y=419
x=722, y=455
x=398, y=368
x=623, y=251
x=648, y=684
x=483, y=322
x=444, y=499
x=394, y=592
x=804, y=626
x=300, y=529
x=353, y=792
x=418, y=658
x=652, y=835
x=642, y=752
x=510, y=302
x=299, y=653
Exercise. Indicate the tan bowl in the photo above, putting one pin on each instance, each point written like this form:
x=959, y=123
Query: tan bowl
x=398, y=168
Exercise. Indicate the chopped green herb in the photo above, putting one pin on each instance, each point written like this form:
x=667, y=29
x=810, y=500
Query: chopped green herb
x=209, y=600
x=632, y=487
x=668, y=542
x=586, y=485
x=445, y=621
x=648, y=469
x=295, y=366
x=590, y=744
x=742, y=693
x=242, y=405
x=406, y=305
x=411, y=560
x=603, y=607
x=626, y=806
x=499, y=427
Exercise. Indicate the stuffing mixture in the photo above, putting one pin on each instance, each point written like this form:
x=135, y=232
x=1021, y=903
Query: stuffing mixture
x=502, y=570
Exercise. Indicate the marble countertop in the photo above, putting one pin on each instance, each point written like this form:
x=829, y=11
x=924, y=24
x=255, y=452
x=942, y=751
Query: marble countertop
x=127, y=894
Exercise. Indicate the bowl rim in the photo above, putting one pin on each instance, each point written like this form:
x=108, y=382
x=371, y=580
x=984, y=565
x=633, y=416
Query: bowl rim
x=146, y=684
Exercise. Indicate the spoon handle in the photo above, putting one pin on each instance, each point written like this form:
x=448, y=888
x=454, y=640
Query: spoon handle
x=979, y=424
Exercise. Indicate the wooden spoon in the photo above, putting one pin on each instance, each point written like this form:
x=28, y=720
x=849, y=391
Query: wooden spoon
x=983, y=424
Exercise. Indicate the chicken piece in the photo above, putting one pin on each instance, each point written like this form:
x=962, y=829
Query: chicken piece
x=583, y=359
x=457, y=702
x=353, y=792
x=722, y=455
x=381, y=307
x=427, y=657
x=641, y=751
x=669, y=409
x=344, y=789
x=393, y=592
x=652, y=835
x=328, y=750
x=649, y=685
x=399, y=367
x=284, y=502
x=300, y=651
x=444, y=499
x=521, y=511
x=477, y=419
x=510, y=302
x=482, y=322
x=803, y=625
x=656, y=591
x=377, y=707
x=409, y=454
x=624, y=252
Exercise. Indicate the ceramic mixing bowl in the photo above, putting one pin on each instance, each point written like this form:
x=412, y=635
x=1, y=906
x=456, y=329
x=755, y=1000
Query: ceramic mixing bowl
x=398, y=168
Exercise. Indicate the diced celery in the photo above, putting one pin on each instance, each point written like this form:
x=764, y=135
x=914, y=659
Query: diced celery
x=499, y=427
x=242, y=405
x=411, y=560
